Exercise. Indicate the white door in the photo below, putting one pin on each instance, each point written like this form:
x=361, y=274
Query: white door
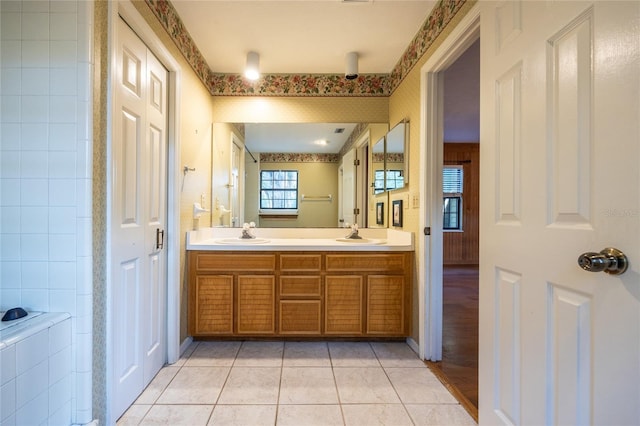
x=348, y=200
x=138, y=215
x=560, y=85
x=236, y=182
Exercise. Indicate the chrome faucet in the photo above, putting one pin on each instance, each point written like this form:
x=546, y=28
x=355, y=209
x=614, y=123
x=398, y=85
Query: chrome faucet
x=246, y=231
x=353, y=235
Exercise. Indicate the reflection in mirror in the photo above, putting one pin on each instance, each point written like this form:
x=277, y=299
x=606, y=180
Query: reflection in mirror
x=377, y=166
x=313, y=150
x=397, y=156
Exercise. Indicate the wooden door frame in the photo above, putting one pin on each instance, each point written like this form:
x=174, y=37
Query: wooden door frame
x=431, y=159
x=132, y=17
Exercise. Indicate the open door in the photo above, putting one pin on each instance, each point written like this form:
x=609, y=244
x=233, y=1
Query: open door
x=559, y=178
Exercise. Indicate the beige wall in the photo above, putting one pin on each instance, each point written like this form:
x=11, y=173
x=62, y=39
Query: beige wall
x=240, y=109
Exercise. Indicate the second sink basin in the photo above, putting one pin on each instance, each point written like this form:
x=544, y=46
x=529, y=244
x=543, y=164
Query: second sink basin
x=368, y=241
x=239, y=240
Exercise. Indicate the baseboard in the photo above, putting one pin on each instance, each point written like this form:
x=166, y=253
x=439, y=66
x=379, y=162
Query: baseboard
x=185, y=345
x=413, y=345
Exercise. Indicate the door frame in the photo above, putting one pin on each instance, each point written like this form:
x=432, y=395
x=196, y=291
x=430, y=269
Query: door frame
x=431, y=163
x=132, y=17
x=362, y=172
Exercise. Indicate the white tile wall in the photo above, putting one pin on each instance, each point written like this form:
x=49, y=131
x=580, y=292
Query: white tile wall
x=45, y=182
x=36, y=380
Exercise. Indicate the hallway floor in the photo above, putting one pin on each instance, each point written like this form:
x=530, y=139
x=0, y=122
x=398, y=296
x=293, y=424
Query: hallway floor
x=296, y=383
x=459, y=365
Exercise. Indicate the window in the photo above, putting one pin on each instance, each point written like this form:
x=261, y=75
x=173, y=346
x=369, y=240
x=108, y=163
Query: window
x=278, y=189
x=378, y=182
x=394, y=179
x=452, y=178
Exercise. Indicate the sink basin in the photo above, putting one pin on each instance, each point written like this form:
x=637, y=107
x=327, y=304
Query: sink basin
x=239, y=240
x=368, y=241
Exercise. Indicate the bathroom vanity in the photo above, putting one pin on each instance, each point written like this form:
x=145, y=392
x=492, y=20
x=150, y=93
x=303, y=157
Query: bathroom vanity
x=299, y=283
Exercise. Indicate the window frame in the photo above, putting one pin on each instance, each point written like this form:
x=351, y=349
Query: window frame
x=279, y=210
x=453, y=195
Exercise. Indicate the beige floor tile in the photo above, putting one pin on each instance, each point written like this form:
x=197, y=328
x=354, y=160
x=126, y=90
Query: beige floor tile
x=307, y=385
x=251, y=385
x=368, y=385
x=195, y=385
x=158, y=385
x=260, y=354
x=178, y=415
x=187, y=353
x=441, y=414
x=134, y=415
x=418, y=386
x=376, y=414
x=309, y=415
x=243, y=415
x=308, y=354
x=213, y=354
x=396, y=354
x=352, y=354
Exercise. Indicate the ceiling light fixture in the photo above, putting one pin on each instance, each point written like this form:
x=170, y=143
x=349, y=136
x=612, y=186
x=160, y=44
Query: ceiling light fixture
x=252, y=70
x=352, y=66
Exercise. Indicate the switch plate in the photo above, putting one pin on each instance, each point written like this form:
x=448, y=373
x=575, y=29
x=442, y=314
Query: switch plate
x=415, y=200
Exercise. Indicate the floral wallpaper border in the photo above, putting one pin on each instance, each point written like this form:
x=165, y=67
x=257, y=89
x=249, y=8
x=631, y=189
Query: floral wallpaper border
x=286, y=157
x=304, y=85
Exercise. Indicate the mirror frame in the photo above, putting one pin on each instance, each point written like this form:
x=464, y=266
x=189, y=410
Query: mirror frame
x=405, y=151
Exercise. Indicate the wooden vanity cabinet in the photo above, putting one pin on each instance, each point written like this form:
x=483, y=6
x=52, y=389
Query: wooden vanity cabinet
x=231, y=293
x=300, y=294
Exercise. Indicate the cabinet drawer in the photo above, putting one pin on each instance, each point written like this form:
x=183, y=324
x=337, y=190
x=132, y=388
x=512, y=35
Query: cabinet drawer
x=300, y=317
x=234, y=262
x=300, y=262
x=368, y=262
x=307, y=286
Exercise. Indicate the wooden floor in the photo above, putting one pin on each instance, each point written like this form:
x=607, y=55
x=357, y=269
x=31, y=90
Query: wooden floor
x=459, y=365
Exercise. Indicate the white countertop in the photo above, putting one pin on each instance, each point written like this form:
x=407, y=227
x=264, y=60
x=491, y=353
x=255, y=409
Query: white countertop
x=299, y=239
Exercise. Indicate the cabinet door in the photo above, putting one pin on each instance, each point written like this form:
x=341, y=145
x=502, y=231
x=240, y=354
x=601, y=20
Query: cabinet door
x=343, y=304
x=212, y=303
x=385, y=304
x=300, y=317
x=256, y=304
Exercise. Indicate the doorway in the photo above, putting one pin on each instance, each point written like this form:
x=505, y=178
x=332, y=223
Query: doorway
x=450, y=265
x=461, y=171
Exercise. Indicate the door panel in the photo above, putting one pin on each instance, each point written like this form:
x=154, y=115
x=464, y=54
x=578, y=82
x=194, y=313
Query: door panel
x=139, y=208
x=559, y=154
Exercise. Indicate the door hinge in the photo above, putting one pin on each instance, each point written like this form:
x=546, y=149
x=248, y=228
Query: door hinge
x=356, y=162
x=159, y=239
x=356, y=211
x=427, y=230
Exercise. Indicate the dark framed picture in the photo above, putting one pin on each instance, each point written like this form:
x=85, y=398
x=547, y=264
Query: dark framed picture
x=396, y=212
x=379, y=213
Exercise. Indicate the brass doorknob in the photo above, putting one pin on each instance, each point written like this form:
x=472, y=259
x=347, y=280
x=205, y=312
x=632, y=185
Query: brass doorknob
x=610, y=260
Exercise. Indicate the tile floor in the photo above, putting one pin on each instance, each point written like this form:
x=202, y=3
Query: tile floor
x=296, y=383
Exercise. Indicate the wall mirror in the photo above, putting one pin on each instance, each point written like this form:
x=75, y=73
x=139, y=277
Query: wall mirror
x=397, y=157
x=294, y=174
x=377, y=166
